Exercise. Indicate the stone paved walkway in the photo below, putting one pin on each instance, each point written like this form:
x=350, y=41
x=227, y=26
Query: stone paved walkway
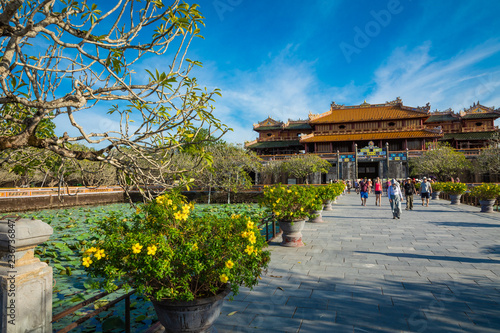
x=437, y=269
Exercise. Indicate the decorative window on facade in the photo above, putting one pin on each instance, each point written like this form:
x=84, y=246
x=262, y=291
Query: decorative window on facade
x=323, y=128
x=323, y=147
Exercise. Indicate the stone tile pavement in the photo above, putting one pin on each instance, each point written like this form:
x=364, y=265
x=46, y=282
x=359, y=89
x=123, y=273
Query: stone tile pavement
x=437, y=269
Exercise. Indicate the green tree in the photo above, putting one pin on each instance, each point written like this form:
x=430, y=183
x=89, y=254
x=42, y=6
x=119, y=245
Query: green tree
x=229, y=170
x=95, y=56
x=274, y=169
x=302, y=166
x=443, y=162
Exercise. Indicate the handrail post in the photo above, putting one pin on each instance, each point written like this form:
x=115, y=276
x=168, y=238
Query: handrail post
x=127, y=314
x=25, y=282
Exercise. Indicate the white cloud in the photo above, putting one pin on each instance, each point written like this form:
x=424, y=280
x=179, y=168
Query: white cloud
x=456, y=82
x=283, y=88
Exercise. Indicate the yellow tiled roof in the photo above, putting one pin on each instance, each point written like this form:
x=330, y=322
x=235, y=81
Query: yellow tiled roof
x=371, y=136
x=367, y=113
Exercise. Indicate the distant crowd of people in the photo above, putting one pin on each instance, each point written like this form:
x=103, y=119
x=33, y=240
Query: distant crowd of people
x=397, y=191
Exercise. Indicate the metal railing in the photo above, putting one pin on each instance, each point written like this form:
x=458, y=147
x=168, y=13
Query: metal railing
x=94, y=313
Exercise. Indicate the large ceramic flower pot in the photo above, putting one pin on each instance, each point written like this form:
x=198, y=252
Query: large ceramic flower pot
x=318, y=217
x=328, y=206
x=435, y=195
x=190, y=316
x=292, y=233
x=455, y=199
x=487, y=205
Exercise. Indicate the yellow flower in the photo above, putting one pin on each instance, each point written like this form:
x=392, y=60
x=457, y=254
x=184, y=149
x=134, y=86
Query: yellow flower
x=289, y=191
x=277, y=213
x=136, y=248
x=169, y=202
x=178, y=215
x=224, y=278
x=138, y=210
x=278, y=201
x=90, y=251
x=229, y=264
x=272, y=190
x=249, y=249
x=194, y=247
x=250, y=224
x=99, y=254
x=244, y=234
x=185, y=209
x=152, y=250
x=251, y=238
x=301, y=209
x=174, y=207
x=86, y=261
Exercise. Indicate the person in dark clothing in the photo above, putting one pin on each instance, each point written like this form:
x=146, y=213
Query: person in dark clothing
x=410, y=190
x=363, y=190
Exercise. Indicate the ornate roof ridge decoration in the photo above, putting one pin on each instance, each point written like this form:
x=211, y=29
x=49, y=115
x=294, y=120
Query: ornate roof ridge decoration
x=437, y=130
x=397, y=101
x=444, y=112
x=365, y=104
x=478, y=105
x=299, y=121
x=319, y=115
x=269, y=121
x=306, y=136
x=421, y=109
x=335, y=106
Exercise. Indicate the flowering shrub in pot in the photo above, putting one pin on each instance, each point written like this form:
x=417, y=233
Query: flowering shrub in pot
x=437, y=187
x=487, y=195
x=291, y=205
x=486, y=191
x=455, y=190
x=167, y=254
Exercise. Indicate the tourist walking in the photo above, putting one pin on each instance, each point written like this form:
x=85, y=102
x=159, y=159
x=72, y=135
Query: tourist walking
x=378, y=192
x=363, y=191
x=370, y=184
x=425, y=191
x=395, y=197
x=410, y=190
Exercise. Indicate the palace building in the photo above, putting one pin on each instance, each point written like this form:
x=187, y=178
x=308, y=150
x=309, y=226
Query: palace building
x=374, y=140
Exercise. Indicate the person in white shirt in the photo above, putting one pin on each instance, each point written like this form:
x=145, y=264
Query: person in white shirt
x=395, y=197
x=425, y=191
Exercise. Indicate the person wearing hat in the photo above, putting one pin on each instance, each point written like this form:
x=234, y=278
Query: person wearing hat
x=425, y=191
x=410, y=190
x=395, y=198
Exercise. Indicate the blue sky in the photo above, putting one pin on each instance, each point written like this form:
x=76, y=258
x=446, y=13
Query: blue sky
x=288, y=58
x=285, y=59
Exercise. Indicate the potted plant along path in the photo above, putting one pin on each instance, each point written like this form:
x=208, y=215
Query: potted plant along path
x=331, y=193
x=184, y=264
x=290, y=205
x=487, y=195
x=455, y=190
x=437, y=187
x=319, y=195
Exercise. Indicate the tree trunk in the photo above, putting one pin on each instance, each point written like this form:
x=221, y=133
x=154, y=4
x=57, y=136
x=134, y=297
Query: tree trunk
x=228, y=197
x=209, y=193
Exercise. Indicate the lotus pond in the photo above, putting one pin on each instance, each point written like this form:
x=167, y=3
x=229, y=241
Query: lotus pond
x=72, y=231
